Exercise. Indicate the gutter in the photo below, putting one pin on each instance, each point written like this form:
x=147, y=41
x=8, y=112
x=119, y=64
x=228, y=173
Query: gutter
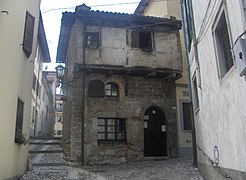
x=83, y=98
x=189, y=79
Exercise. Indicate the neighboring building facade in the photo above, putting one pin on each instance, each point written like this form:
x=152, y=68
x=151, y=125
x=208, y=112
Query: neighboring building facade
x=41, y=92
x=120, y=86
x=217, y=59
x=167, y=8
x=18, y=34
x=58, y=116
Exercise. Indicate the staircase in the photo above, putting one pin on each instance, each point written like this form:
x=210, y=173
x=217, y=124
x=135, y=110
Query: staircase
x=46, y=151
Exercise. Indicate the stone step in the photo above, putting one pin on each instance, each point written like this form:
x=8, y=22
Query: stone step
x=41, y=147
x=46, y=138
x=44, y=143
x=49, y=164
x=45, y=151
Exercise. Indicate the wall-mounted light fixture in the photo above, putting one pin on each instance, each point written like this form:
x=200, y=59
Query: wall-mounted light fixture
x=60, y=71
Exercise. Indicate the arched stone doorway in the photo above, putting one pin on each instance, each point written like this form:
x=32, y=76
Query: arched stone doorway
x=155, y=136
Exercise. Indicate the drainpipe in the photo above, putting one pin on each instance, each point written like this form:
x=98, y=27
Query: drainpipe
x=83, y=97
x=189, y=82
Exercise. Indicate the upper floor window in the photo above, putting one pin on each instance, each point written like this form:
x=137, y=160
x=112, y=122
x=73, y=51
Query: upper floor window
x=223, y=45
x=142, y=40
x=92, y=40
x=28, y=34
x=96, y=88
x=111, y=89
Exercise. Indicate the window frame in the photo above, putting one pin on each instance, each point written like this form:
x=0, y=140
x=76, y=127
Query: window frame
x=95, y=40
x=219, y=45
x=118, y=123
x=113, y=87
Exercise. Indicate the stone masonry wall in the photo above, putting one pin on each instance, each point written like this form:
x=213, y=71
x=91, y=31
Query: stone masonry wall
x=142, y=93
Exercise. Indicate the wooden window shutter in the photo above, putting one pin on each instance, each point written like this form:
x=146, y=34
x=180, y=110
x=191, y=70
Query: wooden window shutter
x=135, y=39
x=28, y=34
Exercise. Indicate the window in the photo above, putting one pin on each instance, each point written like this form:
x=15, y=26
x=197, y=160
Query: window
x=92, y=40
x=58, y=107
x=19, y=118
x=96, y=88
x=195, y=94
x=28, y=34
x=111, y=129
x=59, y=118
x=59, y=132
x=222, y=43
x=142, y=40
x=111, y=89
x=187, y=115
x=34, y=82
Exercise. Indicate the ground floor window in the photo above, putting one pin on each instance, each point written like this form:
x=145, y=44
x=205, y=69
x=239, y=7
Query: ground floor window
x=111, y=129
x=19, y=119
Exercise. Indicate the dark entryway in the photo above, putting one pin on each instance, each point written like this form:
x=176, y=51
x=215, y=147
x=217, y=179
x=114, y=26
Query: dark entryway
x=155, y=143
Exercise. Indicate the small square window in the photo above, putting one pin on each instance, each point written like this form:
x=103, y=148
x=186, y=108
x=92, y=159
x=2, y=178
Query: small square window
x=92, y=40
x=142, y=40
x=111, y=89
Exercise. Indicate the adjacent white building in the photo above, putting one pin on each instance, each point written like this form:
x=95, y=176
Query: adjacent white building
x=18, y=35
x=216, y=48
x=42, y=97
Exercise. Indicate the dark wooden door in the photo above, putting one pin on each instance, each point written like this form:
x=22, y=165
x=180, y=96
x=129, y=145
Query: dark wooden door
x=155, y=143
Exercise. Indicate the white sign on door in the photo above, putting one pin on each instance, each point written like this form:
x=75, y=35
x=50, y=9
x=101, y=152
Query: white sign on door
x=163, y=128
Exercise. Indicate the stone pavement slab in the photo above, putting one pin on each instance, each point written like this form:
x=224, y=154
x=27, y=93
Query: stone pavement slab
x=170, y=169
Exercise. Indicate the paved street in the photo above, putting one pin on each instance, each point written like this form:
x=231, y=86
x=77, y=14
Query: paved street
x=171, y=169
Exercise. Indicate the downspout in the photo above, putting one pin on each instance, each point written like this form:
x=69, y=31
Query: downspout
x=190, y=91
x=83, y=97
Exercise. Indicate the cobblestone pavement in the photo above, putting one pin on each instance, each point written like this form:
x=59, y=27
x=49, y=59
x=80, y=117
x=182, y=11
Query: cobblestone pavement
x=170, y=169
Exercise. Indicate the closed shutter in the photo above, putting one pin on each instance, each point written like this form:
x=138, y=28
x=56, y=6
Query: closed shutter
x=28, y=34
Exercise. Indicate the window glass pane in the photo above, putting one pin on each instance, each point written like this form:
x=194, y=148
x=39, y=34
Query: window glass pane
x=114, y=93
x=108, y=86
x=101, y=121
x=101, y=128
x=111, y=136
x=101, y=136
x=111, y=121
x=111, y=129
x=108, y=92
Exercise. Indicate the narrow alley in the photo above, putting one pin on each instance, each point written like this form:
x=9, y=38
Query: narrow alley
x=48, y=163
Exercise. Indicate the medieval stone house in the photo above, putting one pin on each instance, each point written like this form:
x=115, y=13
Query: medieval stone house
x=119, y=86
